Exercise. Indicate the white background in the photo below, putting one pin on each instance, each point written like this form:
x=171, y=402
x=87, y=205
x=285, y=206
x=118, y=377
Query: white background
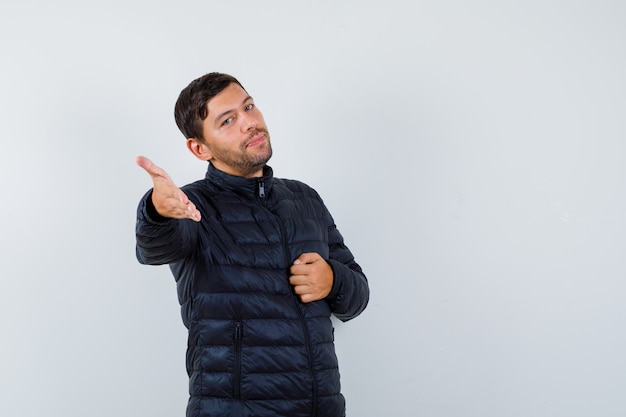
x=471, y=152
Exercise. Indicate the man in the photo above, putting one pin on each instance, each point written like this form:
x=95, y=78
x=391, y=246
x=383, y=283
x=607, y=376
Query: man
x=259, y=265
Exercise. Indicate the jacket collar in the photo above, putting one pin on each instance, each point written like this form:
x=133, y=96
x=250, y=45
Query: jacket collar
x=248, y=187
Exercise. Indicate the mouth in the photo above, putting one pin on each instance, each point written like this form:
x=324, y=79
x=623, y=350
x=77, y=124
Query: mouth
x=256, y=140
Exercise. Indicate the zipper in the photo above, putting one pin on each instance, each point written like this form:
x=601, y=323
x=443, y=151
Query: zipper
x=305, y=327
x=261, y=188
x=296, y=300
x=237, y=365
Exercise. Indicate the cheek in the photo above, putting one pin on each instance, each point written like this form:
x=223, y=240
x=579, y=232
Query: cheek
x=259, y=117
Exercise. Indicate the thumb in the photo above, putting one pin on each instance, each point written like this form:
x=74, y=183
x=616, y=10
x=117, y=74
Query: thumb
x=151, y=168
x=307, y=258
x=144, y=162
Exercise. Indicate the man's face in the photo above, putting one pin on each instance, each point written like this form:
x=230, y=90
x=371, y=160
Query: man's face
x=235, y=133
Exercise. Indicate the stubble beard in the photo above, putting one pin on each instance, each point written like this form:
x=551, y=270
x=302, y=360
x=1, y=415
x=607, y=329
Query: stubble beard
x=245, y=163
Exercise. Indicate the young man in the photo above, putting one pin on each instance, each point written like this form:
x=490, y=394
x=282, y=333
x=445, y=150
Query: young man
x=259, y=264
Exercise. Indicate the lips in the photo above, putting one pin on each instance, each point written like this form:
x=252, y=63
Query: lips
x=257, y=139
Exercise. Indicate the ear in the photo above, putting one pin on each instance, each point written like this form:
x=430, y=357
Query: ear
x=199, y=149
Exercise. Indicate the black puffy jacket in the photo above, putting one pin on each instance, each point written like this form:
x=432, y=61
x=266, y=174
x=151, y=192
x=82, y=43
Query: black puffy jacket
x=254, y=349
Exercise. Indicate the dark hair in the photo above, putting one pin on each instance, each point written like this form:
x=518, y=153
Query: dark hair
x=191, y=107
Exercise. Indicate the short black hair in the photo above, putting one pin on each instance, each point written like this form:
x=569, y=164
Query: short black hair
x=191, y=107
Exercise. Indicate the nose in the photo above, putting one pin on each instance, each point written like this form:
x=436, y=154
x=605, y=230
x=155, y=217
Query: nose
x=249, y=123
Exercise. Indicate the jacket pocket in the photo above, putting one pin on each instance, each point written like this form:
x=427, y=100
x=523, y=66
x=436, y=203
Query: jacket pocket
x=238, y=336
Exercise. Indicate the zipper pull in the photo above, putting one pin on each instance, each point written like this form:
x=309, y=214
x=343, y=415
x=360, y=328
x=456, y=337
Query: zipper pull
x=262, y=189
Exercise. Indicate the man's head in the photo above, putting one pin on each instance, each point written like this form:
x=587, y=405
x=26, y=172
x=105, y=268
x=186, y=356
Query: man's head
x=191, y=107
x=222, y=125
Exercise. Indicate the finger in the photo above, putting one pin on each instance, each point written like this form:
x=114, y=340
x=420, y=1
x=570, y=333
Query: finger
x=300, y=289
x=183, y=197
x=187, y=208
x=151, y=168
x=194, y=213
x=307, y=298
x=305, y=294
x=144, y=162
x=298, y=280
x=307, y=258
x=300, y=269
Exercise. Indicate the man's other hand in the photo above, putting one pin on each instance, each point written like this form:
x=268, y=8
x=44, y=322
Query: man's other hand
x=311, y=277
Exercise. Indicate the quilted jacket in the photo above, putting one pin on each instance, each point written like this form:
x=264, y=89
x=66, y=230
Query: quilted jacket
x=254, y=349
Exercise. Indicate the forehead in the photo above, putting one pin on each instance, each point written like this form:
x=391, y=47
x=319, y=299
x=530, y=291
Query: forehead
x=228, y=99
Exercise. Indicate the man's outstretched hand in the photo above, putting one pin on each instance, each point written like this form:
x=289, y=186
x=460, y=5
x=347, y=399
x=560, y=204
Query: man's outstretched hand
x=167, y=198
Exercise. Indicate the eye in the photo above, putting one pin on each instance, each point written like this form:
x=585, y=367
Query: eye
x=227, y=121
x=249, y=107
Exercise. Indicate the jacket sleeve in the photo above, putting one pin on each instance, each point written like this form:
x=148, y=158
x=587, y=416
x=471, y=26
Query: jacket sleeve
x=161, y=240
x=350, y=292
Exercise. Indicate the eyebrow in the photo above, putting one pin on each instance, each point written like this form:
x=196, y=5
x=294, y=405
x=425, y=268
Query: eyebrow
x=219, y=117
